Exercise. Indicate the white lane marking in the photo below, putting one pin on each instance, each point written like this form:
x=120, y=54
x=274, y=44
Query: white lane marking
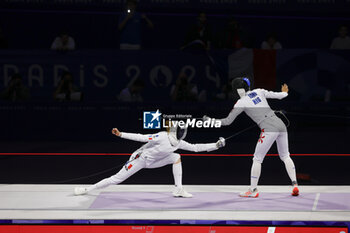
x=316, y=202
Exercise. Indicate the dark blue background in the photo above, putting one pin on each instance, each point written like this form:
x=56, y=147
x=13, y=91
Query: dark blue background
x=42, y=125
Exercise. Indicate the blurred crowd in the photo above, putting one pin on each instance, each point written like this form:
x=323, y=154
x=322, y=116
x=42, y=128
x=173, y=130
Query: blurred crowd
x=131, y=26
x=199, y=33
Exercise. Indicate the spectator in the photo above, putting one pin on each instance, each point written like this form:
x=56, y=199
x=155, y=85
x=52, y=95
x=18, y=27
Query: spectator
x=130, y=26
x=132, y=93
x=64, y=42
x=183, y=90
x=199, y=35
x=16, y=91
x=271, y=42
x=233, y=36
x=343, y=40
x=226, y=91
x=66, y=90
x=3, y=40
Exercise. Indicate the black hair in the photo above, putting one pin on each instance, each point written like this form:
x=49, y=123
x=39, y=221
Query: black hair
x=16, y=76
x=271, y=35
x=138, y=83
x=131, y=1
x=65, y=73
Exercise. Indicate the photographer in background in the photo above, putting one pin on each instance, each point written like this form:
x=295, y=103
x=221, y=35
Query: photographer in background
x=15, y=91
x=63, y=42
x=183, y=90
x=199, y=35
x=343, y=40
x=66, y=91
x=130, y=26
x=271, y=42
x=133, y=92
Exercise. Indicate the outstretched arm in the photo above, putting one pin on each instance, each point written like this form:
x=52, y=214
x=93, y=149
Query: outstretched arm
x=231, y=116
x=202, y=146
x=237, y=109
x=148, y=21
x=133, y=136
x=277, y=95
x=124, y=20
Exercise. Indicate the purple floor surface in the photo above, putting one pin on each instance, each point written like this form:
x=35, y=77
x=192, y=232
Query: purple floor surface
x=203, y=201
x=334, y=201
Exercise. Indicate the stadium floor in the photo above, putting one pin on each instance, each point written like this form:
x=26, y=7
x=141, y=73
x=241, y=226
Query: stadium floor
x=315, y=203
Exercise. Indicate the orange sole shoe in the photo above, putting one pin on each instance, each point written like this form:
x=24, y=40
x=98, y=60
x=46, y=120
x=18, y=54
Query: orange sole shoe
x=295, y=191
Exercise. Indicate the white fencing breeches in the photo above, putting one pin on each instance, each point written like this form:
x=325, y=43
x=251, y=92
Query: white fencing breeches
x=132, y=167
x=265, y=142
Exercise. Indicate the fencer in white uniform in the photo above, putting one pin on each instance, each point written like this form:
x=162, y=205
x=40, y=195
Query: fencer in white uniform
x=157, y=152
x=255, y=105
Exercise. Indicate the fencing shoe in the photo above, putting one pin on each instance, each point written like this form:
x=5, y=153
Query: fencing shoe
x=80, y=191
x=250, y=193
x=295, y=191
x=181, y=192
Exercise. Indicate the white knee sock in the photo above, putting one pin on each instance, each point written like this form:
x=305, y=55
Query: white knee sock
x=177, y=172
x=255, y=174
x=290, y=169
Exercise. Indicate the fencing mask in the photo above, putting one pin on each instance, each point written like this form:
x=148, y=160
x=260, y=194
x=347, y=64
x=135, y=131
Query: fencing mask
x=177, y=133
x=240, y=86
